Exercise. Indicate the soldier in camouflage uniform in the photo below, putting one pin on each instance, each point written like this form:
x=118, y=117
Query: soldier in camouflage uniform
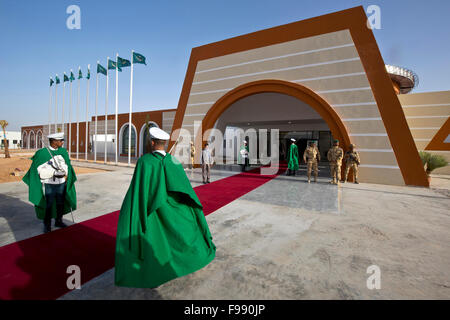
x=352, y=161
x=192, y=152
x=335, y=155
x=311, y=156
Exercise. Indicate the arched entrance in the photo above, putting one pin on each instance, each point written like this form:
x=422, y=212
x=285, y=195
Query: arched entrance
x=32, y=140
x=25, y=140
x=295, y=90
x=123, y=142
x=39, y=140
x=144, y=138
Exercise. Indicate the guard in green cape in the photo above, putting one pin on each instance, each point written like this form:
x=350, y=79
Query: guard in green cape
x=292, y=158
x=162, y=232
x=51, y=170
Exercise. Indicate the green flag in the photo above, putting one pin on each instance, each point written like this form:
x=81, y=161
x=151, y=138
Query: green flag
x=72, y=77
x=57, y=80
x=138, y=58
x=51, y=82
x=80, y=75
x=88, y=76
x=101, y=69
x=66, y=78
x=123, y=62
x=112, y=65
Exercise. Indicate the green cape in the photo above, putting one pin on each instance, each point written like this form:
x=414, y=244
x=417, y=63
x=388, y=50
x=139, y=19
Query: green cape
x=35, y=192
x=162, y=232
x=293, y=157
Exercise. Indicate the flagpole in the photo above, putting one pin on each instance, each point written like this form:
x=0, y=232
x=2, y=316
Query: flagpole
x=56, y=104
x=70, y=115
x=131, y=110
x=117, y=102
x=78, y=106
x=86, y=139
x=64, y=95
x=50, y=109
x=106, y=104
x=96, y=105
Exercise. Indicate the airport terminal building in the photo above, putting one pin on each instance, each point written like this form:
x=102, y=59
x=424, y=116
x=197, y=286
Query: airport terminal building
x=318, y=79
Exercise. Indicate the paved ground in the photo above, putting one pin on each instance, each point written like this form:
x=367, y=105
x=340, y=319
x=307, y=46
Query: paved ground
x=285, y=240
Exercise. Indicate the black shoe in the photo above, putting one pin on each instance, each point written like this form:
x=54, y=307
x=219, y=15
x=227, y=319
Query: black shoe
x=356, y=182
x=60, y=224
x=47, y=228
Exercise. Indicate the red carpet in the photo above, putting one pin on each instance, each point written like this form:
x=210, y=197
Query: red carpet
x=35, y=268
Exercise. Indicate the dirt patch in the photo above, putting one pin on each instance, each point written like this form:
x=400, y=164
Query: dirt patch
x=20, y=165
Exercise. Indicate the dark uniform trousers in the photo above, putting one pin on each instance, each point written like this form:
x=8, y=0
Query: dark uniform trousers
x=54, y=192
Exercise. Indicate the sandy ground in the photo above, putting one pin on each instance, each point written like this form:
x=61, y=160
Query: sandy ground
x=22, y=162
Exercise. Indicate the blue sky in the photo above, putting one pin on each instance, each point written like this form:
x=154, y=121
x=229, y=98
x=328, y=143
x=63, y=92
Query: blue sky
x=36, y=44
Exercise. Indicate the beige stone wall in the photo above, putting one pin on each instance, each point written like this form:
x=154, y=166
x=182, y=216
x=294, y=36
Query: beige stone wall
x=328, y=64
x=426, y=113
x=167, y=120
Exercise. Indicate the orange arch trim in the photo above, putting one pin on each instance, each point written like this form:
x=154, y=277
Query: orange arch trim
x=295, y=90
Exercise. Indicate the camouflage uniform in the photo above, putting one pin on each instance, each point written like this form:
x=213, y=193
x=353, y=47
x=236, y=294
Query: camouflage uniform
x=311, y=156
x=335, y=155
x=352, y=161
x=192, y=155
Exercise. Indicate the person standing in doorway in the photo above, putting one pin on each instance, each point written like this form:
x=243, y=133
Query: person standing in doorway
x=335, y=155
x=243, y=155
x=207, y=162
x=192, y=153
x=311, y=156
x=292, y=158
x=352, y=161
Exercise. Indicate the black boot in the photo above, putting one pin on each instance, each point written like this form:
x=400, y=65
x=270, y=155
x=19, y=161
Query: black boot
x=48, y=220
x=47, y=227
x=58, y=221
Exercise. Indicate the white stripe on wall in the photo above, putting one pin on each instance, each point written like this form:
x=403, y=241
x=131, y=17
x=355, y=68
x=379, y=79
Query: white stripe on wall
x=378, y=166
x=426, y=105
x=200, y=103
x=368, y=135
x=331, y=77
x=375, y=150
x=298, y=80
x=425, y=117
x=361, y=119
x=277, y=70
x=355, y=104
x=327, y=91
x=277, y=57
x=344, y=90
x=428, y=128
x=194, y=114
